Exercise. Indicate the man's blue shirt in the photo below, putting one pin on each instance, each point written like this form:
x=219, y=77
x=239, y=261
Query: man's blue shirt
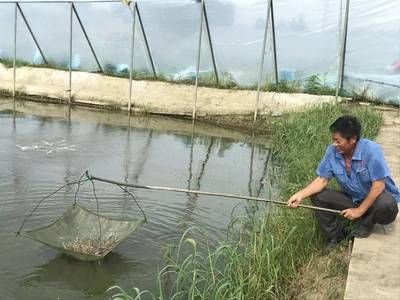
x=367, y=165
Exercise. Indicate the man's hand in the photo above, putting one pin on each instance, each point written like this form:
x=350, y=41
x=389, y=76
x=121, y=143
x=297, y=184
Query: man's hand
x=352, y=213
x=316, y=186
x=295, y=200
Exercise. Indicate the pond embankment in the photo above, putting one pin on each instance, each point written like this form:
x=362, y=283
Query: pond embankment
x=93, y=89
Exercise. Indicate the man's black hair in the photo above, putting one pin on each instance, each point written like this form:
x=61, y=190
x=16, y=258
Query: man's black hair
x=347, y=126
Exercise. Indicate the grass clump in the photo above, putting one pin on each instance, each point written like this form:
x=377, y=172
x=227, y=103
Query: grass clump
x=268, y=250
x=315, y=86
x=312, y=84
x=283, y=87
x=9, y=63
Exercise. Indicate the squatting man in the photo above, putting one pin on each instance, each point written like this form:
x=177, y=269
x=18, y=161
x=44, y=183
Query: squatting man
x=367, y=196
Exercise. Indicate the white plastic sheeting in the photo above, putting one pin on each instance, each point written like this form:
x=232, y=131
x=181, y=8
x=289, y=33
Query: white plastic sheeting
x=373, y=48
x=308, y=39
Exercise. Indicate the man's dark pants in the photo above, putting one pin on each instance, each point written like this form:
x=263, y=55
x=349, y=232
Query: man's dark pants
x=383, y=211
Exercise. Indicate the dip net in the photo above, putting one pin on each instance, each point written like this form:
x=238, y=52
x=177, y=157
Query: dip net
x=81, y=233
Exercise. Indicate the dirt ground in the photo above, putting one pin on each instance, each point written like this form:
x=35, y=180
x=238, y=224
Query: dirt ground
x=324, y=278
x=389, y=139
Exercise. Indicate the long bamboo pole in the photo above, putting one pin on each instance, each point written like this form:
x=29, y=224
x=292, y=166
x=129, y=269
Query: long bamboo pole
x=171, y=189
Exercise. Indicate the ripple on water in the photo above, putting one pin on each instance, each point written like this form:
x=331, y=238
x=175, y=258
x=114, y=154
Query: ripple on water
x=41, y=154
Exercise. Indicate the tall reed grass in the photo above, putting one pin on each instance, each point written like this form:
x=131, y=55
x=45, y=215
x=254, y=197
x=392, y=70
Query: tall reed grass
x=265, y=249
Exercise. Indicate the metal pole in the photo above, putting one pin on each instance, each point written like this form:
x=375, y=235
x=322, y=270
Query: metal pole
x=198, y=62
x=146, y=41
x=274, y=42
x=87, y=37
x=210, y=42
x=15, y=53
x=70, y=56
x=132, y=55
x=339, y=83
x=31, y=32
x=171, y=189
x=261, y=67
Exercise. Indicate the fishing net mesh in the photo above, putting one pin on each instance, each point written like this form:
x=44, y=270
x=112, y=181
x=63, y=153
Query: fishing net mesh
x=83, y=234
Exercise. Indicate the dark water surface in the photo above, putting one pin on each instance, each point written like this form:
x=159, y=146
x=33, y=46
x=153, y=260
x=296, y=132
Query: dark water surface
x=44, y=146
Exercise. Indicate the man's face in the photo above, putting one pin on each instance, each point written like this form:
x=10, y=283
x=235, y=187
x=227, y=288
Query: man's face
x=343, y=145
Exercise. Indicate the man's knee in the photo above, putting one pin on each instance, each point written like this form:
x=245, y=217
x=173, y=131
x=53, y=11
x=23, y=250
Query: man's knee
x=330, y=198
x=386, y=208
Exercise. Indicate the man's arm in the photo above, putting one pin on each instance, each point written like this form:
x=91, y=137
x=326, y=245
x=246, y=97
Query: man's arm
x=316, y=186
x=377, y=187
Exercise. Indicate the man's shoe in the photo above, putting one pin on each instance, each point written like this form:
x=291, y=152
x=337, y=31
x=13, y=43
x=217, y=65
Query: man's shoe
x=362, y=232
x=332, y=244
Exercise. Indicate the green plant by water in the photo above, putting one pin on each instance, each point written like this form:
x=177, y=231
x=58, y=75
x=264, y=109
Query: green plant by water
x=265, y=250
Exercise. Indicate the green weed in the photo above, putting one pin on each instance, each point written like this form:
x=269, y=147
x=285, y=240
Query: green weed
x=315, y=86
x=266, y=249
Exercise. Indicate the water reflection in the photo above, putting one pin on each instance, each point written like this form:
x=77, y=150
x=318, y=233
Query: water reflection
x=194, y=183
x=90, y=278
x=141, y=158
x=68, y=112
x=249, y=185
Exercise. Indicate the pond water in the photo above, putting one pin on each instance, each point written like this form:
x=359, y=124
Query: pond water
x=44, y=146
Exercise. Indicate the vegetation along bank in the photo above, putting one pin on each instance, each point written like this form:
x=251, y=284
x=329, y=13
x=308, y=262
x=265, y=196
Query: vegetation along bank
x=271, y=252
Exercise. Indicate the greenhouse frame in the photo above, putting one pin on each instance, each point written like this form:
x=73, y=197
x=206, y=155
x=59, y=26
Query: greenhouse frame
x=350, y=45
